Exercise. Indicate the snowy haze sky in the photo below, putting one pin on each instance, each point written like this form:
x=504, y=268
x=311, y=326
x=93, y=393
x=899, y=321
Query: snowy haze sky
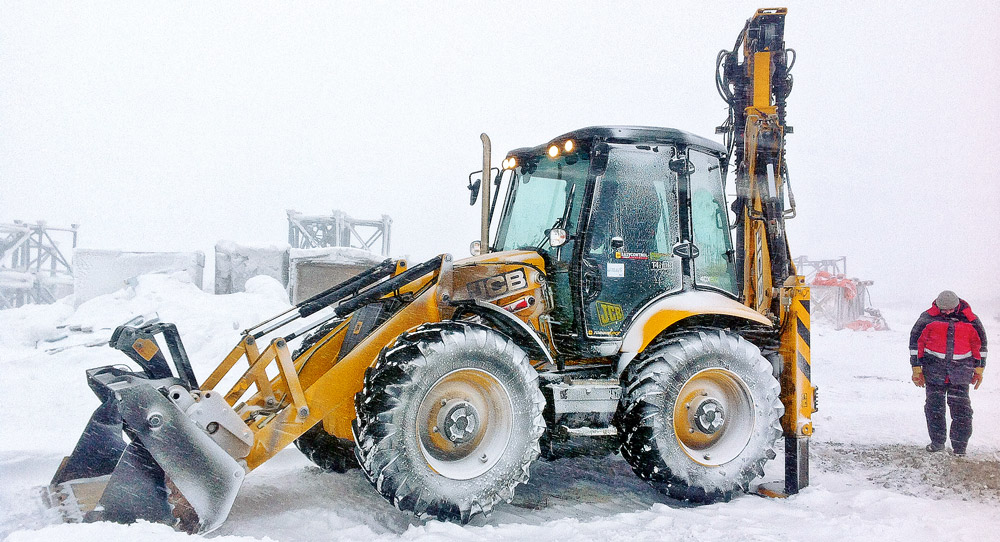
x=170, y=126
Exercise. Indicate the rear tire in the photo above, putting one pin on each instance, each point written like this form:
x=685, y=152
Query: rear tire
x=449, y=420
x=700, y=415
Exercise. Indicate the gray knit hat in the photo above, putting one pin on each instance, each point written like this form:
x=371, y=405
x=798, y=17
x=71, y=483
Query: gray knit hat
x=946, y=300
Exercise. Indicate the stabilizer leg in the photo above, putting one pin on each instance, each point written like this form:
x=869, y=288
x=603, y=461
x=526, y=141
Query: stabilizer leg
x=796, y=464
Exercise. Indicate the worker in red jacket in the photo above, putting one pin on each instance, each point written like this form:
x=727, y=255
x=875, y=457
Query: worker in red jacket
x=947, y=354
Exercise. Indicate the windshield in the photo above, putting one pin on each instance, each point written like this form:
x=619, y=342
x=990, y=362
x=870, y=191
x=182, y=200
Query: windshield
x=537, y=201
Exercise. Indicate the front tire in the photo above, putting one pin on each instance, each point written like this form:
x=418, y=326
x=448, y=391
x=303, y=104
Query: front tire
x=328, y=452
x=699, y=415
x=449, y=420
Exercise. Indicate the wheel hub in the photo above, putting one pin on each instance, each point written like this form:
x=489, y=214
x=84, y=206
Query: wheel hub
x=709, y=416
x=464, y=423
x=459, y=421
x=713, y=416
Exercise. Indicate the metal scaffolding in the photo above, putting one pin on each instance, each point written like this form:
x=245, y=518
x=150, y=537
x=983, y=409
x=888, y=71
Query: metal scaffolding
x=33, y=268
x=808, y=268
x=339, y=230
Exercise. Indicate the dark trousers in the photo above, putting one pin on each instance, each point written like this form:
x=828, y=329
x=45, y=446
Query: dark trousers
x=957, y=397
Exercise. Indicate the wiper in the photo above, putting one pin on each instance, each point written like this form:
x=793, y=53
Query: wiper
x=561, y=221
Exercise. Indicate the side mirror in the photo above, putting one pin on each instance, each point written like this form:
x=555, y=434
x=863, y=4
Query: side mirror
x=476, y=248
x=474, y=185
x=474, y=189
x=557, y=237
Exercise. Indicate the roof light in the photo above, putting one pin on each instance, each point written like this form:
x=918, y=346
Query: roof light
x=553, y=151
x=569, y=145
x=510, y=163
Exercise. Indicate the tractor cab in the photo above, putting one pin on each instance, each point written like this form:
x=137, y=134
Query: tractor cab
x=622, y=216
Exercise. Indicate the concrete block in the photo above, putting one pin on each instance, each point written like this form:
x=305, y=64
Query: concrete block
x=235, y=264
x=98, y=272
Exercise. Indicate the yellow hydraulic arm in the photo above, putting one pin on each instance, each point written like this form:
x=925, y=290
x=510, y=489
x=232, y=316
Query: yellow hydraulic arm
x=754, y=80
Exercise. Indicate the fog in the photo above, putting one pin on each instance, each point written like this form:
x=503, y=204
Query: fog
x=170, y=126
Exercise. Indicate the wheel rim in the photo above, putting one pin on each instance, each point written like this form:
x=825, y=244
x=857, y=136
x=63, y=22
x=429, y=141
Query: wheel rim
x=464, y=423
x=714, y=416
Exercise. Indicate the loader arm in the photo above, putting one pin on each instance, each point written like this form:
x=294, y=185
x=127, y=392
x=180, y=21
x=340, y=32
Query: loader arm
x=754, y=80
x=189, y=447
x=317, y=385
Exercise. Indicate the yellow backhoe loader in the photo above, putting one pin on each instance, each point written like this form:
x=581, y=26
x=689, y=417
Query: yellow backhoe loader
x=609, y=309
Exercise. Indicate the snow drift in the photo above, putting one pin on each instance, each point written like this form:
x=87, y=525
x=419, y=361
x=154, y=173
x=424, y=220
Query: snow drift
x=871, y=478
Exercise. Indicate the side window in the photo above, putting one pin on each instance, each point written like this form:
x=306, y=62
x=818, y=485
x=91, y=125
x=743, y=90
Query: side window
x=714, y=266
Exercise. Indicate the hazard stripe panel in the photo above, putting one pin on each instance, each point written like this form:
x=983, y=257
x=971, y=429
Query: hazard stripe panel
x=805, y=367
x=804, y=332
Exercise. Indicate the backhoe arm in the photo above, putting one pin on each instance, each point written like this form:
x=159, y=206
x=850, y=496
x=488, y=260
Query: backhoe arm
x=754, y=80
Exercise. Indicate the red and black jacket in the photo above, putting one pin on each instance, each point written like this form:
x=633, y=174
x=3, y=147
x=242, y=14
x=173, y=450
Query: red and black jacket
x=950, y=337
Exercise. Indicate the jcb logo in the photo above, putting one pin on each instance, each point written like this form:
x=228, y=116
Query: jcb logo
x=499, y=285
x=609, y=313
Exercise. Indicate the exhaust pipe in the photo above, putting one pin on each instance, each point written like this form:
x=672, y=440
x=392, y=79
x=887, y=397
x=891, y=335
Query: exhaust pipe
x=487, y=173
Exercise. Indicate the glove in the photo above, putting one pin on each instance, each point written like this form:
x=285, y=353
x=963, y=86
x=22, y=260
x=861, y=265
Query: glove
x=977, y=377
x=918, y=376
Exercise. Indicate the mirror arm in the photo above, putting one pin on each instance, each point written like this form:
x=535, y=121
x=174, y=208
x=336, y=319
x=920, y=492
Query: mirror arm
x=496, y=192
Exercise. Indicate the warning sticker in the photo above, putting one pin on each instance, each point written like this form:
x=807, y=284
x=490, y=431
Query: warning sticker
x=145, y=348
x=631, y=255
x=616, y=270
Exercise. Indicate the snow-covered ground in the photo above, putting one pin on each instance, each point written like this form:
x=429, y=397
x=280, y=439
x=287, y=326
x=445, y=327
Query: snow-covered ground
x=871, y=478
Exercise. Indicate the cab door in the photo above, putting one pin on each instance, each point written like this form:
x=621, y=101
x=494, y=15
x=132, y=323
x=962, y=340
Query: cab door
x=633, y=226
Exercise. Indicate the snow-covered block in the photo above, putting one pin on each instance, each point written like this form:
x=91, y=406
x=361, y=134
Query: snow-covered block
x=98, y=272
x=235, y=264
x=312, y=270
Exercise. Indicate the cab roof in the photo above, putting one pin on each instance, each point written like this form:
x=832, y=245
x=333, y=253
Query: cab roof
x=626, y=135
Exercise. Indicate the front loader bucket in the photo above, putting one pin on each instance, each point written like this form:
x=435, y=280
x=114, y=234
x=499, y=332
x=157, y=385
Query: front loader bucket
x=169, y=472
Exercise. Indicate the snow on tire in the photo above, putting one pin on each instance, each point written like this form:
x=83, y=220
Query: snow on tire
x=700, y=415
x=449, y=420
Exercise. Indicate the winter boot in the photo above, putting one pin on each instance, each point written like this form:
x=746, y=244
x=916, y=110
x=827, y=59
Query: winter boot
x=934, y=447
